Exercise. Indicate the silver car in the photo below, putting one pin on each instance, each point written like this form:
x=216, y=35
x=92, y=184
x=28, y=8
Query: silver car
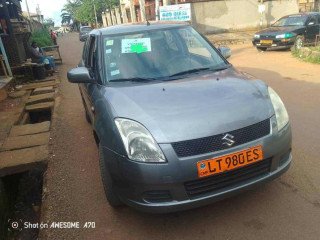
x=177, y=125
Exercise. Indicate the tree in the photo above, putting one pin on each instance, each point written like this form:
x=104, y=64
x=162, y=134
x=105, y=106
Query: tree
x=48, y=23
x=83, y=10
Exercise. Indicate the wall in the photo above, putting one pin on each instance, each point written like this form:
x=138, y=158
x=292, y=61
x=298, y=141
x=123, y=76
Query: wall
x=231, y=15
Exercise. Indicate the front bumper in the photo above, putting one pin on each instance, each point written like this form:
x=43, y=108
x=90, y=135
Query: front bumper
x=160, y=188
x=276, y=43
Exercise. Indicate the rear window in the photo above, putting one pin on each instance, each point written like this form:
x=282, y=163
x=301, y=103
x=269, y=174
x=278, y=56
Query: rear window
x=86, y=29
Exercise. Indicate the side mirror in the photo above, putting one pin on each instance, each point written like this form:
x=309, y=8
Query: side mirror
x=80, y=75
x=225, y=51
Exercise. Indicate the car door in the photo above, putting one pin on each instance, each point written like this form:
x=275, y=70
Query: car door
x=87, y=89
x=312, y=29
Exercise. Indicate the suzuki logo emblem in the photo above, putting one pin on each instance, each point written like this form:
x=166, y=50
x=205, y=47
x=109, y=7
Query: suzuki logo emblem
x=228, y=140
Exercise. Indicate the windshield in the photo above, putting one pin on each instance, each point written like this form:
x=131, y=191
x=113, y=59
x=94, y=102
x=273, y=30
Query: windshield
x=291, y=21
x=158, y=54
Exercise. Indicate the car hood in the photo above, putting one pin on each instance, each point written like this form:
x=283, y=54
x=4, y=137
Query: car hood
x=279, y=30
x=193, y=108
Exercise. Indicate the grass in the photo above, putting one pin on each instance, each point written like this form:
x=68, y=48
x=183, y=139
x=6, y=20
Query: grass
x=42, y=38
x=311, y=59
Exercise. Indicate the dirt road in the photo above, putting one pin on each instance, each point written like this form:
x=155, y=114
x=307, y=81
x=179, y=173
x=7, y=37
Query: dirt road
x=287, y=208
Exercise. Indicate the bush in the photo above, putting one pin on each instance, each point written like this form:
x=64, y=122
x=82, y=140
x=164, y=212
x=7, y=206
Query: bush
x=42, y=38
x=311, y=54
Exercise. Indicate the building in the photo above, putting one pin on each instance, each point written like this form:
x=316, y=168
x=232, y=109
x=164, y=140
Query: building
x=309, y=5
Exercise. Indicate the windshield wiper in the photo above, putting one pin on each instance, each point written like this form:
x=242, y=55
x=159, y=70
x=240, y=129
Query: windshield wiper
x=134, y=79
x=195, y=70
x=222, y=68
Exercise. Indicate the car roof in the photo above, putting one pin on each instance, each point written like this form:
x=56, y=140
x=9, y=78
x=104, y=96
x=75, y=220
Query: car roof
x=138, y=27
x=302, y=14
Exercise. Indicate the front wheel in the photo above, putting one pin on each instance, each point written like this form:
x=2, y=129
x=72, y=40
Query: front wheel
x=262, y=49
x=107, y=182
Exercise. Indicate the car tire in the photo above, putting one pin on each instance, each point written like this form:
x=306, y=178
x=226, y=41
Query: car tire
x=107, y=182
x=262, y=49
x=298, y=43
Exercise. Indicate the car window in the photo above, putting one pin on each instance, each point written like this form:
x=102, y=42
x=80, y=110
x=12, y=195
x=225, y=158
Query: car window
x=91, y=53
x=85, y=51
x=295, y=20
x=85, y=29
x=194, y=44
x=313, y=19
x=158, y=54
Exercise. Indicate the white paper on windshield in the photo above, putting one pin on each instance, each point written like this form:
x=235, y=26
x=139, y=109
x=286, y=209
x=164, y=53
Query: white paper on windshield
x=115, y=72
x=109, y=42
x=137, y=45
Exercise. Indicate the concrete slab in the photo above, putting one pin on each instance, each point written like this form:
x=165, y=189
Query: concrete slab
x=17, y=94
x=26, y=141
x=40, y=106
x=31, y=86
x=28, y=129
x=40, y=98
x=43, y=90
x=12, y=162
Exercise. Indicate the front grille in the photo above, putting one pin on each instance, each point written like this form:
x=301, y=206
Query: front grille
x=227, y=179
x=215, y=143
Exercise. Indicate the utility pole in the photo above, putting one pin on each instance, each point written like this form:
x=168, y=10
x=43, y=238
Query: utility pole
x=132, y=12
x=142, y=10
x=29, y=16
x=157, y=9
x=95, y=13
x=165, y=2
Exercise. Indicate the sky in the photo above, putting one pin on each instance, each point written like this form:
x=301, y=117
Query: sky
x=48, y=8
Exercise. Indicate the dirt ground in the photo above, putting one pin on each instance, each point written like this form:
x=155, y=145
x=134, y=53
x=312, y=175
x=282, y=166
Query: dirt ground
x=287, y=208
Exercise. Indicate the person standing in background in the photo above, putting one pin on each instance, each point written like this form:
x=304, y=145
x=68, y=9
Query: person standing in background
x=53, y=37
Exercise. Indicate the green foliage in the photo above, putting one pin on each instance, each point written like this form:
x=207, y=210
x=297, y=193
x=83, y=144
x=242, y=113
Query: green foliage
x=312, y=58
x=42, y=38
x=48, y=23
x=83, y=10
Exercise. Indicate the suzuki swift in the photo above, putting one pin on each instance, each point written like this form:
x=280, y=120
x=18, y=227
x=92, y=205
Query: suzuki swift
x=177, y=125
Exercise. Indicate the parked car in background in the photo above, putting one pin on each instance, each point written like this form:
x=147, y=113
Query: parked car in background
x=290, y=31
x=83, y=33
x=177, y=125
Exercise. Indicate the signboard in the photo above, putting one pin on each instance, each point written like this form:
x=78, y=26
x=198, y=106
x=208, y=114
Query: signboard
x=261, y=8
x=179, y=12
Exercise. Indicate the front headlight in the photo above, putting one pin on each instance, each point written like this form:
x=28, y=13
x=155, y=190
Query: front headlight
x=285, y=35
x=279, y=109
x=138, y=142
x=256, y=36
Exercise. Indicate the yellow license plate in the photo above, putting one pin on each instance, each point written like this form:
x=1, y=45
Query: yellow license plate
x=266, y=42
x=229, y=162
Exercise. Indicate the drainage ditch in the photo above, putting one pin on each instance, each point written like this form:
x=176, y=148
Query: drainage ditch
x=21, y=194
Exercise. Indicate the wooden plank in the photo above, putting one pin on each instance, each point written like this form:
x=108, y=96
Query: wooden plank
x=40, y=106
x=27, y=129
x=19, y=142
x=42, y=90
x=40, y=98
x=12, y=162
x=38, y=85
